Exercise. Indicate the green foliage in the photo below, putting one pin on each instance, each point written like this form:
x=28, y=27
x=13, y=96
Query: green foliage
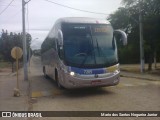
x=127, y=19
x=5, y=64
x=8, y=41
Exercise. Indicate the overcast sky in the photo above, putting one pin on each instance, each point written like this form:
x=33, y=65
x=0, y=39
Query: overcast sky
x=42, y=14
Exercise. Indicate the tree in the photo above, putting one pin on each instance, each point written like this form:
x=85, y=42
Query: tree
x=122, y=19
x=126, y=18
x=8, y=41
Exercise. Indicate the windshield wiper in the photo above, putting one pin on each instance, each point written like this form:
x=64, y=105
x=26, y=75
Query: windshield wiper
x=97, y=46
x=91, y=51
x=82, y=64
x=99, y=49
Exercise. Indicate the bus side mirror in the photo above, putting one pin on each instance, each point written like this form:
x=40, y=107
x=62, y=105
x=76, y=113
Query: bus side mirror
x=60, y=37
x=122, y=35
x=60, y=44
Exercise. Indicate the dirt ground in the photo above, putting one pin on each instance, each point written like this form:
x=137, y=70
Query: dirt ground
x=5, y=70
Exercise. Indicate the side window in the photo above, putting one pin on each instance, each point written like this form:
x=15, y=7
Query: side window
x=55, y=44
x=60, y=51
x=48, y=44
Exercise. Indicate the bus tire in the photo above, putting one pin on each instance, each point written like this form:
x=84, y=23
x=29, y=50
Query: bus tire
x=57, y=80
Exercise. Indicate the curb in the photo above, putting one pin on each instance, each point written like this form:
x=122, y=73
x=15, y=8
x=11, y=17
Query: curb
x=127, y=76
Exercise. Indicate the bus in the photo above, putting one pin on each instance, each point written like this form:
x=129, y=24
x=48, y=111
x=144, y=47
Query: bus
x=82, y=52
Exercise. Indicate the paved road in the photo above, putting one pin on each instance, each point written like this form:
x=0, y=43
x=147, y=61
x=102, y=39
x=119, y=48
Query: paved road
x=130, y=95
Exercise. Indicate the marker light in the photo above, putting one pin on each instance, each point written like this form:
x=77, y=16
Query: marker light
x=72, y=73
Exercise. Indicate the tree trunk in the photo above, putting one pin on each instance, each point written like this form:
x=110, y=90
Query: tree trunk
x=149, y=66
x=155, y=61
x=12, y=66
x=150, y=62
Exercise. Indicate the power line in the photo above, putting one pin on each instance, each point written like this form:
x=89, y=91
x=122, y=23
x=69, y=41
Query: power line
x=10, y=5
x=6, y=7
x=75, y=8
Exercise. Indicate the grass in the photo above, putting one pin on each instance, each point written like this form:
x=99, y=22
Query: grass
x=136, y=68
x=5, y=65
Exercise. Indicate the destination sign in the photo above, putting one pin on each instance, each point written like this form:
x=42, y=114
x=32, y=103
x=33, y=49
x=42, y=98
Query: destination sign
x=100, y=29
x=79, y=27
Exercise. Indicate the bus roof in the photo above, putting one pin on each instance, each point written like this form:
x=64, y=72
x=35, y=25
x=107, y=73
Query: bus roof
x=82, y=20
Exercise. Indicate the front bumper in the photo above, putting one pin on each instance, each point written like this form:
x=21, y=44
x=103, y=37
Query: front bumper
x=109, y=79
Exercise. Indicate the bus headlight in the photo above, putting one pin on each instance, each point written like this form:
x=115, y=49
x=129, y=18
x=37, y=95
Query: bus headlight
x=72, y=73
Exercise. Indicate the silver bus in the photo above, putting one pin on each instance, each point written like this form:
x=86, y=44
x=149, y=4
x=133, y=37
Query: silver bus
x=82, y=52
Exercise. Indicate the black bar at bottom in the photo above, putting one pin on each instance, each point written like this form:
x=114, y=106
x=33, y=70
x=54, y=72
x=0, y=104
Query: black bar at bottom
x=79, y=113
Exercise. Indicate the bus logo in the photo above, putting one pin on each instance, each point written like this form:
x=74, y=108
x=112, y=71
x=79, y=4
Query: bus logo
x=87, y=71
x=96, y=75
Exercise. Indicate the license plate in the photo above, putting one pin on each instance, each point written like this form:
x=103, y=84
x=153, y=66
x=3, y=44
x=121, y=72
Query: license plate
x=96, y=82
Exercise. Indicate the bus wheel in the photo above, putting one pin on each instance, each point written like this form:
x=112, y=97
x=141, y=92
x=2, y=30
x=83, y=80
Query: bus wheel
x=57, y=80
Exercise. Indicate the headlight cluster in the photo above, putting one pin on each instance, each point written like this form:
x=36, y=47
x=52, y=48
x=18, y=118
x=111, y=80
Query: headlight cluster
x=113, y=68
x=72, y=73
x=67, y=70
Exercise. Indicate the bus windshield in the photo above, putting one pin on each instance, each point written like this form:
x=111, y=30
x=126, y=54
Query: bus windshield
x=89, y=45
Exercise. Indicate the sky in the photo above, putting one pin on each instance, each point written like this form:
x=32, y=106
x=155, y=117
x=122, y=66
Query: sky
x=40, y=15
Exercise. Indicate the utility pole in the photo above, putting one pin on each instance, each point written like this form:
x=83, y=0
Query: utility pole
x=24, y=43
x=141, y=39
